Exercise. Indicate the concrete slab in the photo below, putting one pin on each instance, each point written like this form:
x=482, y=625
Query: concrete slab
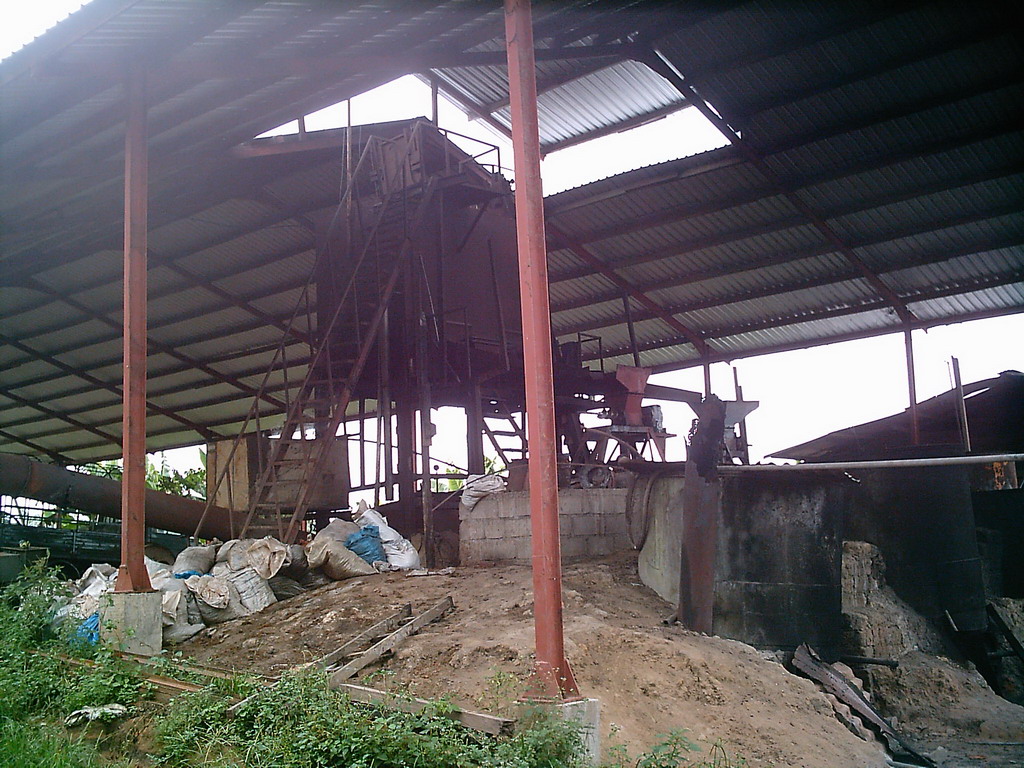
x=587, y=712
x=132, y=622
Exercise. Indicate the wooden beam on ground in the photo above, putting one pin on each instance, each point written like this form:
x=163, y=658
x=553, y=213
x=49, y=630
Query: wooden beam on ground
x=391, y=641
x=496, y=726
x=383, y=627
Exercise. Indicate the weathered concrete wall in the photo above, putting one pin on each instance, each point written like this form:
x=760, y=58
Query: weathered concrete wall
x=778, y=569
x=922, y=519
x=778, y=576
x=592, y=522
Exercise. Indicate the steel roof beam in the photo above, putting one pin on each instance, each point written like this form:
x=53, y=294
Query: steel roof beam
x=182, y=315
x=889, y=114
x=680, y=214
x=810, y=181
x=234, y=421
x=158, y=58
x=70, y=369
x=609, y=130
x=93, y=428
x=222, y=333
x=159, y=346
x=194, y=387
x=725, y=332
x=753, y=156
x=925, y=149
x=838, y=338
x=581, y=252
x=961, y=38
x=207, y=18
x=59, y=458
x=777, y=289
x=721, y=270
x=109, y=421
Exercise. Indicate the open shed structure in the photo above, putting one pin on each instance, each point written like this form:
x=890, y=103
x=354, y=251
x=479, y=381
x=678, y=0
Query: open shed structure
x=872, y=184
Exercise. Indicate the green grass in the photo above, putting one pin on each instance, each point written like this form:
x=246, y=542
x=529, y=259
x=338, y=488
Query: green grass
x=38, y=745
x=299, y=723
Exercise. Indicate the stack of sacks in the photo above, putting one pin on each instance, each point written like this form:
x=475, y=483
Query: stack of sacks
x=400, y=552
x=180, y=622
x=238, y=580
x=479, y=486
x=328, y=552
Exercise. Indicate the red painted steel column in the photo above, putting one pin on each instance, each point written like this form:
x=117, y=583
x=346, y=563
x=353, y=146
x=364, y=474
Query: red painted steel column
x=132, y=575
x=553, y=672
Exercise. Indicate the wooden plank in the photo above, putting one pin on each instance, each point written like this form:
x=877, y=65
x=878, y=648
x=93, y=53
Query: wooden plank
x=496, y=726
x=383, y=627
x=391, y=641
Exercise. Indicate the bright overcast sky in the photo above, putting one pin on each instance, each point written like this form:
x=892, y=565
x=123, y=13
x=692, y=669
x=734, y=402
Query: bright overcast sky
x=803, y=394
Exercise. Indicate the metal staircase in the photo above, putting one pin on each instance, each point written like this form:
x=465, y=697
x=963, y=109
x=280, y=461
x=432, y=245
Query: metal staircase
x=384, y=207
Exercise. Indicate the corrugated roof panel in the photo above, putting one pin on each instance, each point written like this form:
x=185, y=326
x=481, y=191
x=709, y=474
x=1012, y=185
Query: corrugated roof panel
x=964, y=272
x=601, y=99
x=798, y=334
x=1007, y=297
x=974, y=236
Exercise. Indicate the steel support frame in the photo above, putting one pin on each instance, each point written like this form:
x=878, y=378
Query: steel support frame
x=915, y=426
x=553, y=675
x=666, y=69
x=876, y=305
x=656, y=309
x=132, y=576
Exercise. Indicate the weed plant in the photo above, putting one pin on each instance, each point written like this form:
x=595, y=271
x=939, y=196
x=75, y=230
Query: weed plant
x=46, y=673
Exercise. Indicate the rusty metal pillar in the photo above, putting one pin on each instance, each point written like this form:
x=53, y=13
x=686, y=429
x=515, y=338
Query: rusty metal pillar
x=915, y=428
x=132, y=575
x=553, y=673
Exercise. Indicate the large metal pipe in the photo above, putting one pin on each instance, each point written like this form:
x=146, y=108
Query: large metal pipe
x=21, y=476
x=553, y=670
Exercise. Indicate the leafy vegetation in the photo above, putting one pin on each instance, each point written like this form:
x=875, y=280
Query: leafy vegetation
x=160, y=477
x=47, y=672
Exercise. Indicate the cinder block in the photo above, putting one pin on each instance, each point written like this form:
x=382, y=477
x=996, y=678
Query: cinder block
x=493, y=528
x=573, y=546
x=598, y=546
x=471, y=530
x=513, y=504
x=521, y=547
x=615, y=525
x=586, y=712
x=487, y=507
x=620, y=543
x=587, y=525
x=515, y=527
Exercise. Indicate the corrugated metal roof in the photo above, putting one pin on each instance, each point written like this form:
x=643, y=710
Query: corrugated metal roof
x=897, y=126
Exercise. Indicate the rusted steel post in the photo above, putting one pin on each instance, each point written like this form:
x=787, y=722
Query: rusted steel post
x=132, y=576
x=961, y=407
x=553, y=673
x=915, y=428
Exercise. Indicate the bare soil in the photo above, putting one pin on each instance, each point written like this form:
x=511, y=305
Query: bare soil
x=650, y=679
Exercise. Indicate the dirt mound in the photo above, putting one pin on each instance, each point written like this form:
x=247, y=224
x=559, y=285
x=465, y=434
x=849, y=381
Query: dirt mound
x=651, y=679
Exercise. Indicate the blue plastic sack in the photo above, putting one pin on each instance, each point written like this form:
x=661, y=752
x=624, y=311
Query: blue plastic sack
x=366, y=543
x=88, y=631
x=187, y=574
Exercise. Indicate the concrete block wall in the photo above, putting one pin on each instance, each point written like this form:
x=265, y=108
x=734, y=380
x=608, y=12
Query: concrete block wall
x=592, y=524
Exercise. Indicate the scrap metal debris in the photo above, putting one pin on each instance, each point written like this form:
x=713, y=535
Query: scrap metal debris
x=833, y=681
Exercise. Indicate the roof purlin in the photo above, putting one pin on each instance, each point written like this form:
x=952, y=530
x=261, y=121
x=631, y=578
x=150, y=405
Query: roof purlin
x=674, y=323
x=667, y=70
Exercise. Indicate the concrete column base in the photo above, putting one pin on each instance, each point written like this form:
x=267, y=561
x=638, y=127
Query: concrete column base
x=587, y=712
x=132, y=622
